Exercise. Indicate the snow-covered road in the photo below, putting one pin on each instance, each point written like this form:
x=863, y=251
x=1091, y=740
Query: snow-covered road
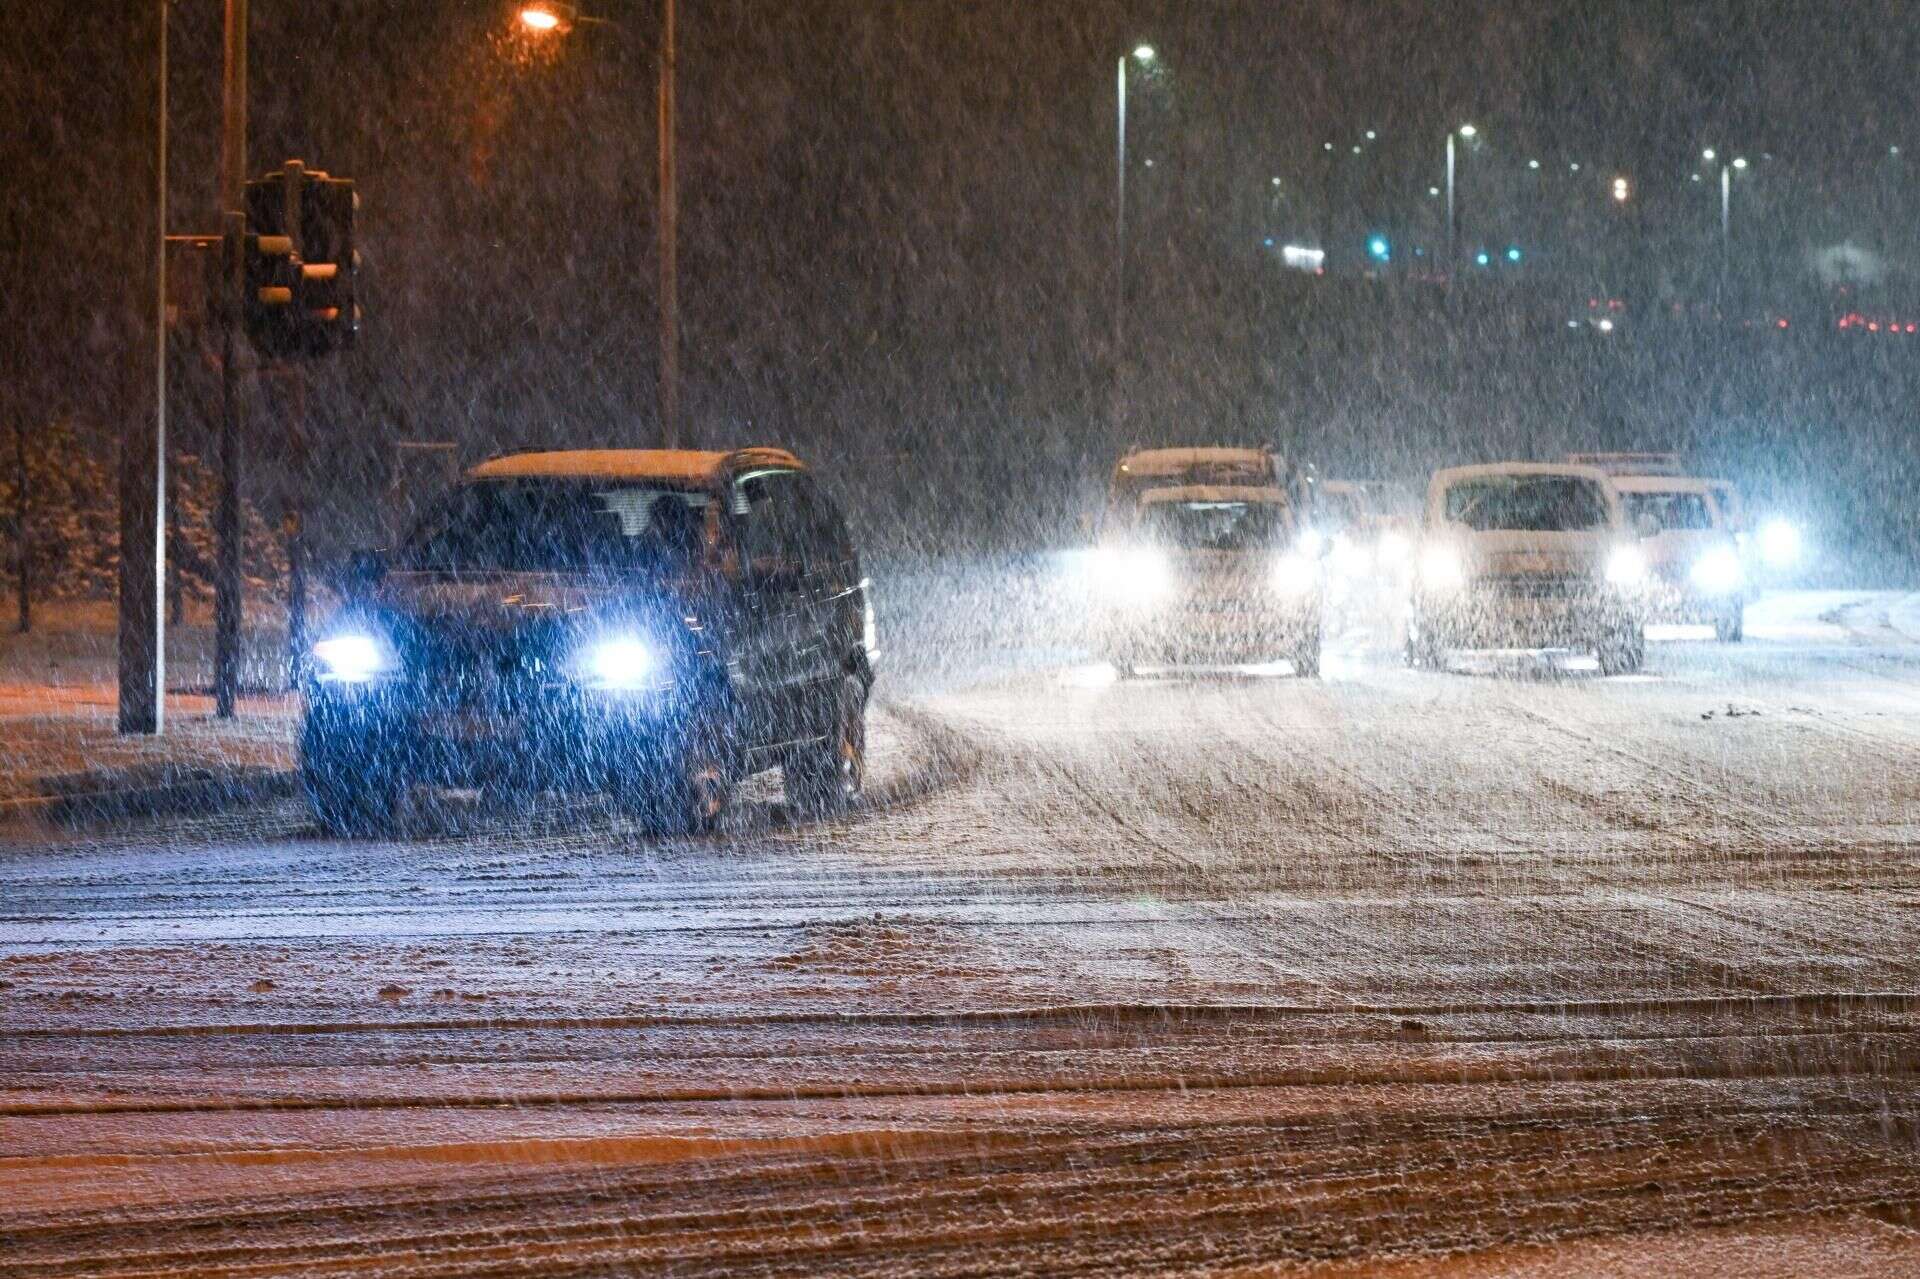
x=1503, y=968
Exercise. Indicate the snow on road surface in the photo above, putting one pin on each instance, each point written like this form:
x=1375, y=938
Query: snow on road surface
x=1504, y=970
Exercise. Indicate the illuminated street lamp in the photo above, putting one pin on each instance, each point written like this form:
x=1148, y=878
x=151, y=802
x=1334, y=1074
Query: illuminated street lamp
x=1622, y=191
x=539, y=18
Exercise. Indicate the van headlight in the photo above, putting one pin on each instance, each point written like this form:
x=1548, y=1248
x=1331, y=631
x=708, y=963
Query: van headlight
x=1136, y=575
x=1780, y=544
x=1441, y=569
x=353, y=657
x=1626, y=566
x=618, y=663
x=1294, y=574
x=1718, y=571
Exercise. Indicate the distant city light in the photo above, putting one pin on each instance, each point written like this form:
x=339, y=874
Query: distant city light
x=1356, y=148
x=1575, y=166
x=1696, y=177
x=1433, y=190
x=1468, y=131
x=537, y=17
x=1379, y=248
x=1301, y=257
x=1533, y=164
x=1740, y=162
x=1513, y=253
x=1276, y=182
x=1482, y=258
x=1621, y=190
x=1605, y=326
x=1371, y=135
x=1709, y=155
x=1143, y=53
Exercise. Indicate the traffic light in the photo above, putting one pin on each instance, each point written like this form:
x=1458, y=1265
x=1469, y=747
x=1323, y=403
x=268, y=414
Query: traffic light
x=300, y=264
x=272, y=273
x=329, y=263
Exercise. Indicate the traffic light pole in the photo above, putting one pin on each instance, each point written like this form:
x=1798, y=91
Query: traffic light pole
x=142, y=632
x=233, y=166
x=669, y=380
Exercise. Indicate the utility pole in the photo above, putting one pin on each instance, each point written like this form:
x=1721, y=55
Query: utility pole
x=143, y=453
x=233, y=166
x=1119, y=244
x=22, y=537
x=669, y=381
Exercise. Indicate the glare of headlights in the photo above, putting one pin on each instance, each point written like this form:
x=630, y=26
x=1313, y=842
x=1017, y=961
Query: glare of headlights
x=1626, y=566
x=1441, y=569
x=1312, y=542
x=622, y=662
x=1780, y=544
x=1294, y=574
x=1350, y=559
x=1718, y=571
x=350, y=657
x=1133, y=575
x=1393, y=550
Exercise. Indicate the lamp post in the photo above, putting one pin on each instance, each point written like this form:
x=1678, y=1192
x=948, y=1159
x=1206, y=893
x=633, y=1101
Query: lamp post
x=1468, y=132
x=1144, y=55
x=542, y=19
x=1727, y=168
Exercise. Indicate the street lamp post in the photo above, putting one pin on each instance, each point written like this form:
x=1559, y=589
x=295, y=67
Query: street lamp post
x=544, y=18
x=1143, y=54
x=1726, y=210
x=1453, y=245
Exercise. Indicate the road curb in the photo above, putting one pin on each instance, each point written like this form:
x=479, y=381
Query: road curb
x=82, y=798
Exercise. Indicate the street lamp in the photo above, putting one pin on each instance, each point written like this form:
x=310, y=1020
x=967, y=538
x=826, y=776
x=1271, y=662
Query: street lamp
x=543, y=18
x=1144, y=55
x=1468, y=132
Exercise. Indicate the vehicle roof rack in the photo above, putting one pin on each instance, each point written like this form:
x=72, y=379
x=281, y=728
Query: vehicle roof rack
x=1668, y=464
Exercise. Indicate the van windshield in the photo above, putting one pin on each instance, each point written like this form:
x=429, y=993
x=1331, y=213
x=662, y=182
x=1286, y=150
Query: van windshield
x=1670, y=510
x=549, y=525
x=1216, y=526
x=1527, y=503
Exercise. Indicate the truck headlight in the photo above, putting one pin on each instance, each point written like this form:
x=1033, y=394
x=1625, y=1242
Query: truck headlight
x=1626, y=566
x=1718, y=571
x=352, y=657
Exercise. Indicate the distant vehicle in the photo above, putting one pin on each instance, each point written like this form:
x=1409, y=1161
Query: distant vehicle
x=1207, y=573
x=1527, y=555
x=1694, y=567
x=1775, y=547
x=1369, y=530
x=654, y=624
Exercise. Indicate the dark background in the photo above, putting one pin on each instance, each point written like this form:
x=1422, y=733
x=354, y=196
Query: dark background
x=896, y=244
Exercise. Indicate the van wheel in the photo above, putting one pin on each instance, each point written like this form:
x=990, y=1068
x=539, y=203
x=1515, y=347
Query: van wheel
x=1423, y=654
x=1624, y=652
x=1306, y=659
x=350, y=801
x=686, y=789
x=830, y=774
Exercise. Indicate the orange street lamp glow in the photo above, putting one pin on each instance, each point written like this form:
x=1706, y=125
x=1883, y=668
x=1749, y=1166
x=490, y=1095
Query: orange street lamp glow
x=539, y=18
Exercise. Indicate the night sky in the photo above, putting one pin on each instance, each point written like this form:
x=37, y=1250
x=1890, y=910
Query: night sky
x=895, y=216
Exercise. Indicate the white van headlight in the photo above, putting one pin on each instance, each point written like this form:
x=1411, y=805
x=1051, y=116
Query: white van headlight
x=1626, y=566
x=1130, y=575
x=1294, y=574
x=1441, y=568
x=352, y=657
x=1717, y=571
